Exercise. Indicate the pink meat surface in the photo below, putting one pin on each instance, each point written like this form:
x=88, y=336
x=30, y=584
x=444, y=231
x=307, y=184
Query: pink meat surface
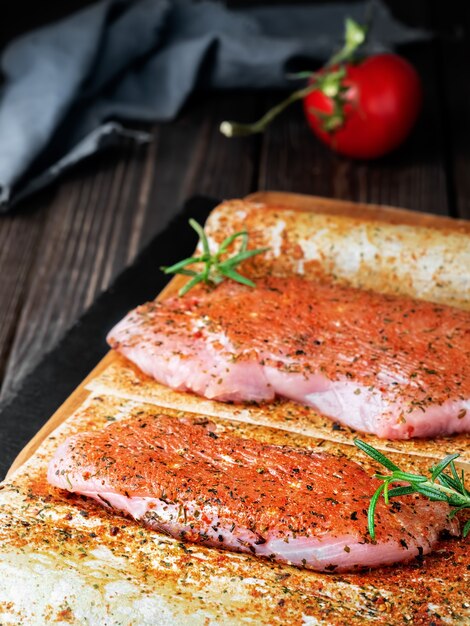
x=392, y=366
x=290, y=505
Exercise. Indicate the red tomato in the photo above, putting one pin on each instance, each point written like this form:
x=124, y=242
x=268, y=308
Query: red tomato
x=383, y=100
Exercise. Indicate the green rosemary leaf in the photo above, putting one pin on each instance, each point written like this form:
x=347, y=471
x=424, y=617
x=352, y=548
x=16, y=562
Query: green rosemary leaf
x=189, y=285
x=231, y=238
x=453, y=469
x=234, y=275
x=202, y=236
x=431, y=493
x=214, y=271
x=386, y=490
x=371, y=511
x=457, y=509
x=402, y=491
x=464, y=490
x=441, y=466
x=449, y=482
x=375, y=454
x=173, y=269
x=242, y=256
x=408, y=477
x=460, y=480
x=186, y=272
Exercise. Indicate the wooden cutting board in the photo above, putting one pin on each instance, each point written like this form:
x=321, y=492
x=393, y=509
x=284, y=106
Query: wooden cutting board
x=303, y=203
x=120, y=570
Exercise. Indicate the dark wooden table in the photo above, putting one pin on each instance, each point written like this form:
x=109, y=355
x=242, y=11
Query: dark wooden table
x=66, y=244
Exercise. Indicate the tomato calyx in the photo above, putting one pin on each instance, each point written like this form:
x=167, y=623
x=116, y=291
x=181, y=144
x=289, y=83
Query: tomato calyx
x=329, y=80
x=331, y=84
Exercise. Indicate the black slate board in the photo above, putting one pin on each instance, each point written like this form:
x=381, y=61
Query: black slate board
x=63, y=368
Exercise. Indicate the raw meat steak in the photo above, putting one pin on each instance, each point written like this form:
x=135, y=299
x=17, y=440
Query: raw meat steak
x=289, y=505
x=388, y=365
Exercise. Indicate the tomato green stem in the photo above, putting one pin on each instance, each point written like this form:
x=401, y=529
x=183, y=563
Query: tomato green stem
x=237, y=129
x=328, y=81
x=354, y=36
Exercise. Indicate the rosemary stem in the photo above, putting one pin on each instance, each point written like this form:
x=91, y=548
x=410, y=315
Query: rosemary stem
x=218, y=265
x=442, y=486
x=446, y=491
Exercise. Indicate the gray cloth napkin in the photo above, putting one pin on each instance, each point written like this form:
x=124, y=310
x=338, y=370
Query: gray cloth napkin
x=76, y=86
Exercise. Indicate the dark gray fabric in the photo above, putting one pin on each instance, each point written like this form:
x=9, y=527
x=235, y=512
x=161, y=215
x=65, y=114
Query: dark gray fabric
x=70, y=87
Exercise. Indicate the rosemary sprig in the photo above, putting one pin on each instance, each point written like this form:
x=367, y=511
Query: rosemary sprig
x=217, y=267
x=440, y=485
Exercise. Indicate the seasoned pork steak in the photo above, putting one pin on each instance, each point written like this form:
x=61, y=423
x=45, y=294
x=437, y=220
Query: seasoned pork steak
x=290, y=505
x=392, y=366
